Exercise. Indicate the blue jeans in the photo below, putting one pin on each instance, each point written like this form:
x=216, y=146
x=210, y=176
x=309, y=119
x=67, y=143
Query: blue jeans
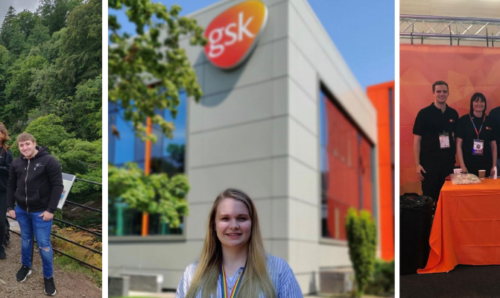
x=31, y=224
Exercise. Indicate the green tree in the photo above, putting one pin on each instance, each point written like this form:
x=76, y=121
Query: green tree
x=7, y=24
x=54, y=12
x=15, y=30
x=17, y=91
x=26, y=20
x=52, y=49
x=150, y=57
x=86, y=109
x=154, y=194
x=362, y=240
x=83, y=159
x=39, y=35
x=17, y=42
x=5, y=62
x=81, y=56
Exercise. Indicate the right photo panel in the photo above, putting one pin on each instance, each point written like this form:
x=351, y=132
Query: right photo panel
x=449, y=130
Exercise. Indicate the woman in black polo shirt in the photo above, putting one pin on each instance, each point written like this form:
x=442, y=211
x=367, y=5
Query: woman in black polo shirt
x=476, y=145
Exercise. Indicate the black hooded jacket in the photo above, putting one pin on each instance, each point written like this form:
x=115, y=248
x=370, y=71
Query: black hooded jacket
x=5, y=161
x=36, y=183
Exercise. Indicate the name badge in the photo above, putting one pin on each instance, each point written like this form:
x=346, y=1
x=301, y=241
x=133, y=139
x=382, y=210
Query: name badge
x=444, y=140
x=478, y=147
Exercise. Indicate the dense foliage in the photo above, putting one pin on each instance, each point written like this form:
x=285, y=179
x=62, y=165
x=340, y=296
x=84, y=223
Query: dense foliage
x=362, y=239
x=154, y=193
x=382, y=281
x=51, y=85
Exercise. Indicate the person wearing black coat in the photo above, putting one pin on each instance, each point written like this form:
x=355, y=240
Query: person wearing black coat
x=5, y=161
x=33, y=192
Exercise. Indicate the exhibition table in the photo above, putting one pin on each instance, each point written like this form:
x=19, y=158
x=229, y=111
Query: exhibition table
x=466, y=227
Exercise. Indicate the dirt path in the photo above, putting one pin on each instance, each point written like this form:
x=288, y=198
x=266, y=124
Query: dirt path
x=68, y=284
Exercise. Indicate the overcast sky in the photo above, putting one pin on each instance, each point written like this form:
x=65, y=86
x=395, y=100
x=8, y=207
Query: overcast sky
x=19, y=5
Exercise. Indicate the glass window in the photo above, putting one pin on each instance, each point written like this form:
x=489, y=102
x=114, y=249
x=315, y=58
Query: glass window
x=346, y=168
x=121, y=137
x=167, y=156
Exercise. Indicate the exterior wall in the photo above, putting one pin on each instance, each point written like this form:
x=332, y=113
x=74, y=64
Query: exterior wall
x=314, y=60
x=257, y=128
x=379, y=96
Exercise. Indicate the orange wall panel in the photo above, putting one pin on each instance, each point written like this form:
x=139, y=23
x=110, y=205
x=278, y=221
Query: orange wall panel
x=379, y=96
x=466, y=70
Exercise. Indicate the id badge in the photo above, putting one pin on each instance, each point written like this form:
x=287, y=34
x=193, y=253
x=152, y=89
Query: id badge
x=444, y=140
x=477, y=148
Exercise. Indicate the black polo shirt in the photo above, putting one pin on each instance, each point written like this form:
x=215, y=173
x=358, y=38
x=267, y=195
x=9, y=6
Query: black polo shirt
x=466, y=131
x=495, y=117
x=431, y=122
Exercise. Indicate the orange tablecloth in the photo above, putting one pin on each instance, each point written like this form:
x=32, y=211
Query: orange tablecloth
x=466, y=227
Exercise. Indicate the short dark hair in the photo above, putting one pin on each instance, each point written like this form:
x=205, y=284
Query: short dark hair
x=439, y=83
x=480, y=96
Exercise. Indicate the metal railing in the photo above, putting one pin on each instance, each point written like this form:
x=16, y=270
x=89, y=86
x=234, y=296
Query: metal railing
x=420, y=28
x=99, y=235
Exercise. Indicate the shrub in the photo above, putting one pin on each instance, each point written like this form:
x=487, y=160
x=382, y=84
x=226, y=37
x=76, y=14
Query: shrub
x=362, y=240
x=382, y=281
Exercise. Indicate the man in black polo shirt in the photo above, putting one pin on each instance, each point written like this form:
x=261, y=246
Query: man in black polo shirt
x=495, y=116
x=434, y=142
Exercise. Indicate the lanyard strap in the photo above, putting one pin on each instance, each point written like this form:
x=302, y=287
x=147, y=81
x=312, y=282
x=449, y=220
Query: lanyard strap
x=224, y=283
x=484, y=117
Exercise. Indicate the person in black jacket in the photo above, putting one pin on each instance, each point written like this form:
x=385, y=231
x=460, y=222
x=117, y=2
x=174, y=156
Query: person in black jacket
x=35, y=184
x=495, y=117
x=476, y=140
x=434, y=142
x=5, y=161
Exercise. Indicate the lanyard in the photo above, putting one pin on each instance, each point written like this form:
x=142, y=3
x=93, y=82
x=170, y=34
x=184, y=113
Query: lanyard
x=224, y=284
x=484, y=117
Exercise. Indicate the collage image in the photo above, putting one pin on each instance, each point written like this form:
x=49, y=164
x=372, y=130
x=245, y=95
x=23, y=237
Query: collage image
x=249, y=148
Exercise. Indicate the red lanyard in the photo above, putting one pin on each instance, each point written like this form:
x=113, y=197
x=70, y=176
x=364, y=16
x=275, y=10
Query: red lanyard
x=484, y=117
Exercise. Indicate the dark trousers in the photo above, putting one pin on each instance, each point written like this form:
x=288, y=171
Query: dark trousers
x=3, y=218
x=434, y=180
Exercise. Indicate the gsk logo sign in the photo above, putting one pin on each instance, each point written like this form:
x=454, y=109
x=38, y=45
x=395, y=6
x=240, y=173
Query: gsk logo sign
x=233, y=34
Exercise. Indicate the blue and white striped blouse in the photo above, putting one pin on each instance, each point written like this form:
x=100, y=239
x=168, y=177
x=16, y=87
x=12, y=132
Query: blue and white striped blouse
x=280, y=272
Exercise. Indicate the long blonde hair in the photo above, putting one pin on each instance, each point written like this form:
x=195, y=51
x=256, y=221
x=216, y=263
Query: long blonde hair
x=256, y=279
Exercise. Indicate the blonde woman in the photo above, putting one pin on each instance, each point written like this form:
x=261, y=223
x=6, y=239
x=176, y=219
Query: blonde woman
x=233, y=262
x=5, y=161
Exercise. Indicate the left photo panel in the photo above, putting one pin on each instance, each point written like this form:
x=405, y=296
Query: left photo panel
x=51, y=148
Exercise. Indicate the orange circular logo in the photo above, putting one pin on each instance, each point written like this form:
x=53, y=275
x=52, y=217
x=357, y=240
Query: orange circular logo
x=233, y=34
